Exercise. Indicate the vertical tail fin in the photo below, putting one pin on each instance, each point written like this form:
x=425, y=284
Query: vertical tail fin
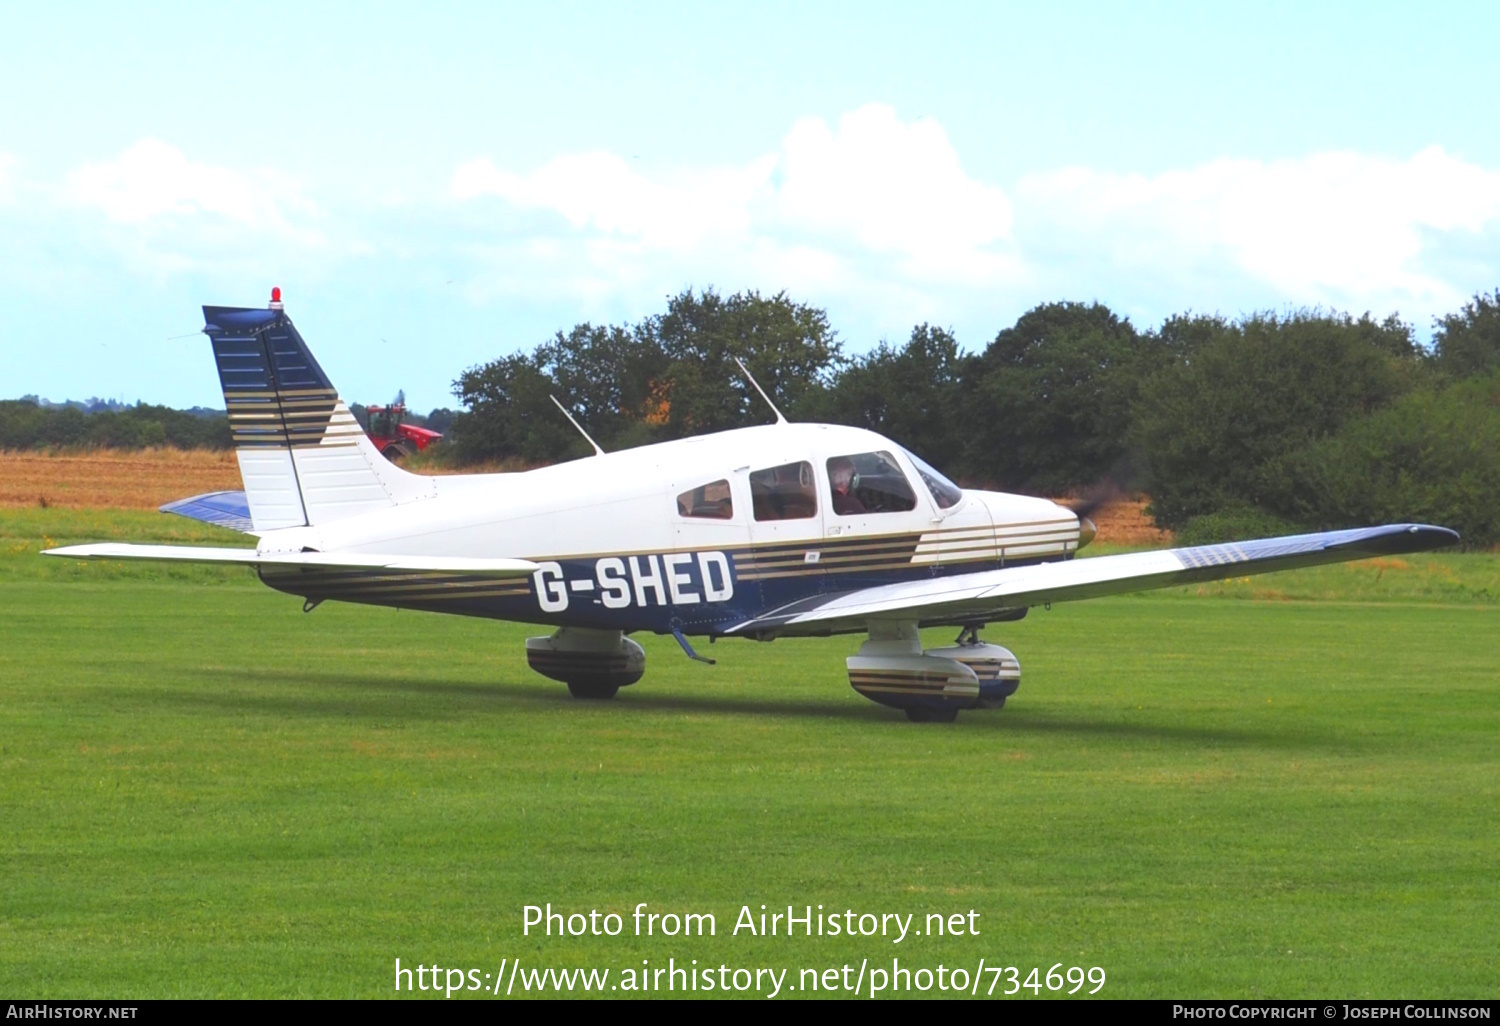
x=302, y=455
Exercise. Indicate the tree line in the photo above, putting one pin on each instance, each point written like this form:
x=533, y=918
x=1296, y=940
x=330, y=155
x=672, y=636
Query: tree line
x=27, y=424
x=1262, y=424
x=1234, y=427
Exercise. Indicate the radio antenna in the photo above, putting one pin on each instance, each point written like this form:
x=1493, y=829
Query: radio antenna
x=597, y=451
x=751, y=378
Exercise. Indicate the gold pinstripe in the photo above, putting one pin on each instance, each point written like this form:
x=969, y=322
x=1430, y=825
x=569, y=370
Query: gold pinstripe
x=289, y=393
x=446, y=590
x=296, y=418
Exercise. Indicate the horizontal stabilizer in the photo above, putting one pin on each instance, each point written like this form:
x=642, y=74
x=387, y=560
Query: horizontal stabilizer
x=226, y=509
x=250, y=557
x=989, y=594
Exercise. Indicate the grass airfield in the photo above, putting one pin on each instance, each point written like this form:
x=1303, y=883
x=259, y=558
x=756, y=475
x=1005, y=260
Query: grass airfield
x=1284, y=786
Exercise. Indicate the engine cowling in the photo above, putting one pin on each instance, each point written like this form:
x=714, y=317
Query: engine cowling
x=591, y=663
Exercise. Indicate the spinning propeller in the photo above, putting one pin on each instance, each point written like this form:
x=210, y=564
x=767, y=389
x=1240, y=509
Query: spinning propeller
x=1087, y=504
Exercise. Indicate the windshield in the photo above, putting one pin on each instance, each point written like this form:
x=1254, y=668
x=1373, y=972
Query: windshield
x=944, y=492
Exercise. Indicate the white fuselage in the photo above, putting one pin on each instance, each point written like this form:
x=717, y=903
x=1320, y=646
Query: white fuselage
x=625, y=502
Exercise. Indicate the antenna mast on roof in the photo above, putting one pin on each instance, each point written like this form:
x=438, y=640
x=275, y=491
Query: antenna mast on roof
x=751, y=378
x=597, y=451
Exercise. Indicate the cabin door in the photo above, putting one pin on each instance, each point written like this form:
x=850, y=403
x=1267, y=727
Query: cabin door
x=710, y=540
x=875, y=522
x=786, y=531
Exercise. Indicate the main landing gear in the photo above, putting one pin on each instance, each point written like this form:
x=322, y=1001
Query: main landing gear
x=594, y=664
x=932, y=685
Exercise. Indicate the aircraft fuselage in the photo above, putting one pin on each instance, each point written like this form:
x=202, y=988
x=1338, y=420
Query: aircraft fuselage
x=621, y=543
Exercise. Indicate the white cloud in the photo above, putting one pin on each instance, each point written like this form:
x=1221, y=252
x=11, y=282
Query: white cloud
x=893, y=187
x=874, y=217
x=153, y=180
x=887, y=195
x=879, y=215
x=160, y=213
x=601, y=192
x=1333, y=227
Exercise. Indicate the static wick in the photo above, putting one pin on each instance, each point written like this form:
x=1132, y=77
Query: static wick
x=751, y=378
x=597, y=451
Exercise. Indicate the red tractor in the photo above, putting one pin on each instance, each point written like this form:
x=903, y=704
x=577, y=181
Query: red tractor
x=392, y=436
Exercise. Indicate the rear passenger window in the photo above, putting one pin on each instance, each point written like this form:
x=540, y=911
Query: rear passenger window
x=784, y=493
x=711, y=501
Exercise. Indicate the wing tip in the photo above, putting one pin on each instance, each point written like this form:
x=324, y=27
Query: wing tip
x=73, y=551
x=1402, y=538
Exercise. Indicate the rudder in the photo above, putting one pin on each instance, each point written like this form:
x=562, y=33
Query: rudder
x=303, y=457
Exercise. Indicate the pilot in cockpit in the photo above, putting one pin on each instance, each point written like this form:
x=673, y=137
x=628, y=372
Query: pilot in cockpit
x=841, y=481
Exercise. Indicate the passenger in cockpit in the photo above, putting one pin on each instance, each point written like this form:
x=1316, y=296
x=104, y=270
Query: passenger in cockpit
x=841, y=481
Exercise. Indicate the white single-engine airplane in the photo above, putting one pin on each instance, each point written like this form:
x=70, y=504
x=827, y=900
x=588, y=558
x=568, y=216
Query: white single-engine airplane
x=762, y=532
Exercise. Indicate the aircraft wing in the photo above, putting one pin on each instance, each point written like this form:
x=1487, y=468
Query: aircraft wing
x=990, y=594
x=498, y=568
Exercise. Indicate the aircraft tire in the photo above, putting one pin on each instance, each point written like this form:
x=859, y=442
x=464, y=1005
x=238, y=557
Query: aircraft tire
x=924, y=714
x=590, y=691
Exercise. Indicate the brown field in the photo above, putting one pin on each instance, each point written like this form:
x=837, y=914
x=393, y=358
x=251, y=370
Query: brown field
x=113, y=479
x=1124, y=522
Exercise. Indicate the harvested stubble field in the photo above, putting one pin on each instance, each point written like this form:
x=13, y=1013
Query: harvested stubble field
x=113, y=479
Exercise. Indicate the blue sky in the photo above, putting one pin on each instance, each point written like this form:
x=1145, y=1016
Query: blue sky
x=437, y=185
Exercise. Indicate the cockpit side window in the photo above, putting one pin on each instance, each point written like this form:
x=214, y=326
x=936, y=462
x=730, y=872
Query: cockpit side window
x=784, y=493
x=711, y=501
x=869, y=482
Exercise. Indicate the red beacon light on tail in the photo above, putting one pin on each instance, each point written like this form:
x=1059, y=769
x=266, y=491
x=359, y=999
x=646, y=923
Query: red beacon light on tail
x=276, y=297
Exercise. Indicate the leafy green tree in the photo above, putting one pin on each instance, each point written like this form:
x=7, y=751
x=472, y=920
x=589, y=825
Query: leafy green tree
x=440, y=420
x=509, y=413
x=1210, y=427
x=788, y=346
x=911, y=394
x=20, y=424
x=1182, y=335
x=1467, y=343
x=26, y=425
x=1050, y=406
x=1430, y=457
x=669, y=376
x=608, y=378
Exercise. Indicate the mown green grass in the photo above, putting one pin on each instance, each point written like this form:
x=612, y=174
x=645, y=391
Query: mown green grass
x=24, y=533
x=204, y=791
